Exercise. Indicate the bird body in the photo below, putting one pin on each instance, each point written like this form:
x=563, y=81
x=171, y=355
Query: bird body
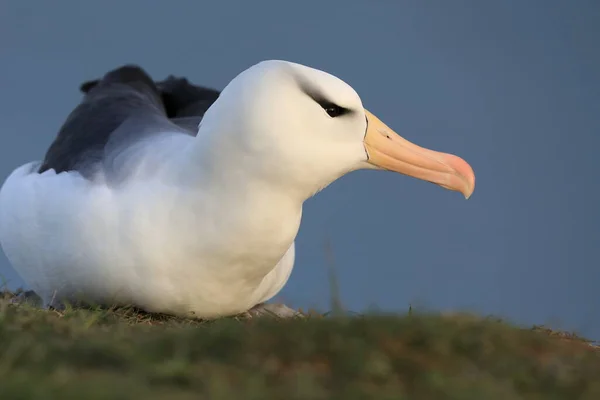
x=131, y=207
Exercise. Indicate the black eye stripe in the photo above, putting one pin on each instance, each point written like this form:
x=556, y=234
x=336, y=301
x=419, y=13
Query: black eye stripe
x=333, y=110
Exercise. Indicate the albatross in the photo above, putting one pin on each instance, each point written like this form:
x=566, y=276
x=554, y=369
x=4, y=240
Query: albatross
x=133, y=205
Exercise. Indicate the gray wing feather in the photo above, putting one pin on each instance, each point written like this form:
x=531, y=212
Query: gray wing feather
x=124, y=108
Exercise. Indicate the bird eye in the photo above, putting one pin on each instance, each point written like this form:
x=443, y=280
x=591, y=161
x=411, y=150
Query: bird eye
x=334, y=111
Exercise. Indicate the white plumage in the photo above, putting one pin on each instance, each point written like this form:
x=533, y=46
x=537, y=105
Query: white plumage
x=202, y=225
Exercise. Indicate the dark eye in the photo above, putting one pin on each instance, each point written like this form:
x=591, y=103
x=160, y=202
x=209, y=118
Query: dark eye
x=334, y=111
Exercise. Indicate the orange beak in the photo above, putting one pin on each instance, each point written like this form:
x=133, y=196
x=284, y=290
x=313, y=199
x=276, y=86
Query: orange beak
x=388, y=150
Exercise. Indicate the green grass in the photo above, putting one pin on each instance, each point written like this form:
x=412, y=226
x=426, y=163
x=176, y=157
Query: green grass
x=127, y=354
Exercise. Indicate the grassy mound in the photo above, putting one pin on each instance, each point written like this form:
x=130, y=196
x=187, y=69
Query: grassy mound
x=124, y=354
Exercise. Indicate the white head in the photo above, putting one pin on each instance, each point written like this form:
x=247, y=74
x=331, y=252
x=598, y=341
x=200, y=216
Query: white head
x=301, y=129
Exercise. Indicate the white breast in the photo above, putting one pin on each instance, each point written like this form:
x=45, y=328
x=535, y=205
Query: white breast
x=158, y=246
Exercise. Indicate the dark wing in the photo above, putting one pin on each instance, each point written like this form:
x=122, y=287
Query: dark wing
x=183, y=99
x=180, y=98
x=189, y=124
x=123, y=93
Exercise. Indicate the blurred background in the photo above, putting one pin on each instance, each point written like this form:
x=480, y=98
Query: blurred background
x=513, y=87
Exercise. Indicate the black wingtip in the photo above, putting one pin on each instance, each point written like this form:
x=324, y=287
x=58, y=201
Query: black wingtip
x=127, y=73
x=85, y=87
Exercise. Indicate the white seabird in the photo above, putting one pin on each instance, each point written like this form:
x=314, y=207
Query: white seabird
x=130, y=208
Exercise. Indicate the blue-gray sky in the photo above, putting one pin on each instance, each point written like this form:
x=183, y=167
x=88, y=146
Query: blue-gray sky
x=513, y=87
